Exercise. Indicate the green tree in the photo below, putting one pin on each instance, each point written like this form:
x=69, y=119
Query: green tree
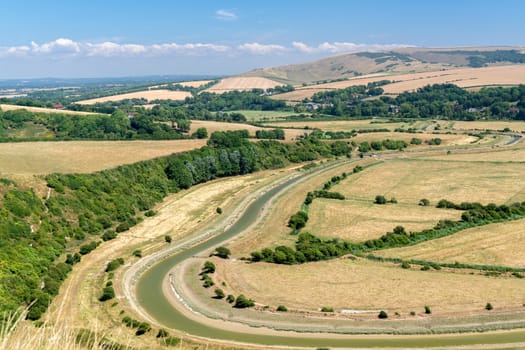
x=380, y=199
x=200, y=133
x=222, y=252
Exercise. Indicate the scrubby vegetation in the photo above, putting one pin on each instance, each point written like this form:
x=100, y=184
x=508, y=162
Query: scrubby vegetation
x=35, y=233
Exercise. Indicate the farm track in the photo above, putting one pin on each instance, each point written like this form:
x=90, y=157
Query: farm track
x=302, y=340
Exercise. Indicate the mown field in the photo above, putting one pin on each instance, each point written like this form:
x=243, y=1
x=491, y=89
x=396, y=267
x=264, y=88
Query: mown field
x=242, y=84
x=149, y=95
x=358, y=284
x=463, y=77
x=83, y=156
x=5, y=107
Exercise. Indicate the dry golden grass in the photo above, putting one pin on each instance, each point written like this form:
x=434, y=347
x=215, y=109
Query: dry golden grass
x=195, y=83
x=211, y=126
x=5, y=107
x=447, y=139
x=366, y=285
x=463, y=77
x=517, y=126
x=149, y=95
x=341, y=125
x=411, y=180
x=358, y=221
x=83, y=156
x=495, y=244
x=498, y=155
x=242, y=83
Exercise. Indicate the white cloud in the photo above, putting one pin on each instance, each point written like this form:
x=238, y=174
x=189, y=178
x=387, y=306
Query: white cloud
x=261, y=49
x=226, y=15
x=58, y=45
x=339, y=47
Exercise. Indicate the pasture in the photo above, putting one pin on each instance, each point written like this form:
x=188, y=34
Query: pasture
x=242, y=84
x=368, y=286
x=463, y=77
x=25, y=158
x=149, y=95
x=5, y=107
x=494, y=244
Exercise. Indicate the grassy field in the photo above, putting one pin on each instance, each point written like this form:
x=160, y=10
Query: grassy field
x=5, y=107
x=463, y=77
x=83, y=156
x=149, y=95
x=518, y=126
x=365, y=285
x=258, y=116
x=211, y=126
x=495, y=244
x=346, y=125
x=516, y=154
x=447, y=139
x=358, y=221
x=411, y=180
x=242, y=84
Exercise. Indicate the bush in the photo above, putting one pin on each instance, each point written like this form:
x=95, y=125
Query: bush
x=393, y=200
x=219, y=210
x=150, y=213
x=167, y=238
x=208, y=282
x=298, y=220
x=382, y=314
x=405, y=265
x=489, y=307
x=172, y=341
x=87, y=248
x=137, y=253
x=162, y=333
x=424, y=202
x=219, y=293
x=282, y=308
x=143, y=327
x=114, y=264
x=425, y=267
x=107, y=293
x=208, y=267
x=242, y=302
x=222, y=252
x=122, y=227
x=428, y=311
x=109, y=235
x=230, y=298
x=327, y=309
x=380, y=199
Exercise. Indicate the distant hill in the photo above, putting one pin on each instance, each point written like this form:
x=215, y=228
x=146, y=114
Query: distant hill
x=405, y=60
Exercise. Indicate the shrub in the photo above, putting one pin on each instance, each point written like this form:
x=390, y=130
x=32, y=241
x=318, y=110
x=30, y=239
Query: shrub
x=222, y=252
x=150, y=213
x=87, y=248
x=208, y=267
x=172, y=341
x=424, y=202
x=405, y=265
x=489, y=307
x=114, y=264
x=109, y=235
x=298, y=220
x=425, y=268
x=208, y=282
x=428, y=311
x=107, y=293
x=162, y=333
x=380, y=199
x=412, y=313
x=242, y=302
x=282, y=308
x=393, y=200
x=129, y=322
x=219, y=210
x=137, y=253
x=122, y=227
x=382, y=314
x=167, y=238
x=230, y=298
x=143, y=327
x=219, y=293
x=327, y=309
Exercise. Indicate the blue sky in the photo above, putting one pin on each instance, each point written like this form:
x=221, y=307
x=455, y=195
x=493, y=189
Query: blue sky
x=58, y=38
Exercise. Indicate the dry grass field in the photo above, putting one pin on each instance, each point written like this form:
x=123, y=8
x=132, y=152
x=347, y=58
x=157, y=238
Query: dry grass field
x=358, y=221
x=495, y=244
x=344, y=125
x=447, y=139
x=517, y=126
x=242, y=84
x=195, y=83
x=149, y=95
x=498, y=155
x=211, y=126
x=83, y=156
x=411, y=180
x=5, y=107
x=364, y=285
x=463, y=77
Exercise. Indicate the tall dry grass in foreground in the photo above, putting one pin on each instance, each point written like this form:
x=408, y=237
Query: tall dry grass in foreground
x=18, y=334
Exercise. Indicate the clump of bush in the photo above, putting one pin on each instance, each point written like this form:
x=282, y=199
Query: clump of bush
x=108, y=292
x=298, y=220
x=282, y=308
x=114, y=264
x=242, y=302
x=382, y=314
x=327, y=309
x=222, y=252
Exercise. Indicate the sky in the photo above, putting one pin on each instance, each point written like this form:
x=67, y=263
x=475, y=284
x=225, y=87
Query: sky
x=114, y=38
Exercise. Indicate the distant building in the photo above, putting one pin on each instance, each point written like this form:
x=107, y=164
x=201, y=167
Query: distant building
x=472, y=110
x=58, y=106
x=394, y=109
x=514, y=110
